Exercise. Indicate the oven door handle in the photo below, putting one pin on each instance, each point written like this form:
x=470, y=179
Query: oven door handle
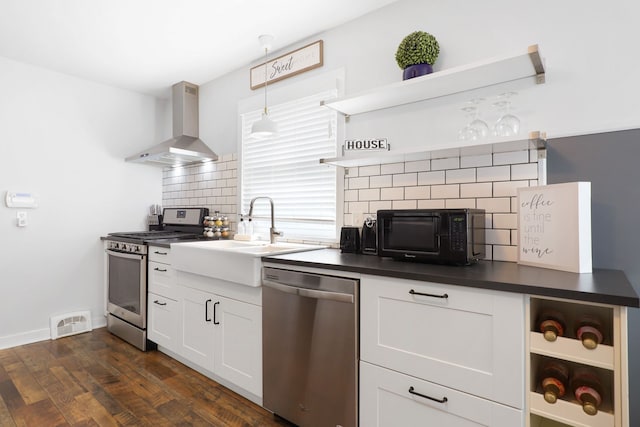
x=124, y=255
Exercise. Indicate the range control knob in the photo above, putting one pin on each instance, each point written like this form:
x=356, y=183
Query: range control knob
x=124, y=247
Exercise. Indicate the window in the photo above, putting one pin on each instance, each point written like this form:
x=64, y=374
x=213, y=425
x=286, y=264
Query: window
x=287, y=169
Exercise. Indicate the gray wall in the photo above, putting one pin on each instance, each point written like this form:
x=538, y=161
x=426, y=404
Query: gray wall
x=611, y=162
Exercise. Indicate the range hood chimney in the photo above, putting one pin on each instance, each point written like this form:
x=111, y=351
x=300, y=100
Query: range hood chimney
x=185, y=147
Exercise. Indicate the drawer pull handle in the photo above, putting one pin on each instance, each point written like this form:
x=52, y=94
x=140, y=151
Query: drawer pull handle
x=160, y=253
x=159, y=303
x=412, y=292
x=164, y=270
x=412, y=391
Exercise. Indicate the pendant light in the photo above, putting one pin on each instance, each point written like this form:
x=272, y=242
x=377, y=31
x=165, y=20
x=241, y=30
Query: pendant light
x=265, y=127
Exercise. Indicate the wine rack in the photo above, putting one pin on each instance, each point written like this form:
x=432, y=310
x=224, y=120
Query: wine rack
x=604, y=359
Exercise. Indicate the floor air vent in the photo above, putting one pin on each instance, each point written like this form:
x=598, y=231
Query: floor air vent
x=70, y=324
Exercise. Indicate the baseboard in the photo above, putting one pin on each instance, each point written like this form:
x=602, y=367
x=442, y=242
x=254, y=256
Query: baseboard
x=29, y=337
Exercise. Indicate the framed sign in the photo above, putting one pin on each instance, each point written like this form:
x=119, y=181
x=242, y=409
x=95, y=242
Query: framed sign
x=304, y=59
x=554, y=226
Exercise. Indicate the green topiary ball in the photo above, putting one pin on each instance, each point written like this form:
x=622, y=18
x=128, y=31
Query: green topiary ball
x=418, y=47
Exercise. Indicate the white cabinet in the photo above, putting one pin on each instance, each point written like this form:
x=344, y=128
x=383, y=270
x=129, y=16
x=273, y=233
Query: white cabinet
x=221, y=333
x=389, y=399
x=467, y=339
x=162, y=306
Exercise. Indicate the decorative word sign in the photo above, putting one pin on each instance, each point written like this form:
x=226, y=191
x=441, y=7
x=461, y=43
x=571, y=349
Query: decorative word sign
x=304, y=59
x=376, y=144
x=554, y=226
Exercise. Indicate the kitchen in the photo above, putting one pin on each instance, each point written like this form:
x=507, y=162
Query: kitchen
x=61, y=142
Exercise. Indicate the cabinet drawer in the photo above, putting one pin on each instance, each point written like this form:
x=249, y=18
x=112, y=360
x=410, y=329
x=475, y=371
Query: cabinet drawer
x=162, y=280
x=163, y=321
x=159, y=254
x=385, y=401
x=465, y=338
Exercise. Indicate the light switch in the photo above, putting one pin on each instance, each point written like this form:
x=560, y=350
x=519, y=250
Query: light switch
x=22, y=219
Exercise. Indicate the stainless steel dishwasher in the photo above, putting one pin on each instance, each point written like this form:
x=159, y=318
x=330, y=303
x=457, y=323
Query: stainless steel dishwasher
x=310, y=347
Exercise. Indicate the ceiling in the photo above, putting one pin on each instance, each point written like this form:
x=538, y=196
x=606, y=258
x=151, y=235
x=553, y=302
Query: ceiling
x=147, y=45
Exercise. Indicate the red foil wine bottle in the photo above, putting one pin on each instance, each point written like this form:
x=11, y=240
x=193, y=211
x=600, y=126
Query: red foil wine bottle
x=590, y=331
x=554, y=379
x=552, y=324
x=587, y=388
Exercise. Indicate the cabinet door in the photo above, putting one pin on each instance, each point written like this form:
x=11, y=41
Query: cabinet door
x=162, y=326
x=162, y=280
x=464, y=338
x=160, y=254
x=196, y=343
x=385, y=401
x=238, y=343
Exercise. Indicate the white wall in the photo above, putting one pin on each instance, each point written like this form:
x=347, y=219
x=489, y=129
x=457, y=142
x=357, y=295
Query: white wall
x=588, y=47
x=66, y=139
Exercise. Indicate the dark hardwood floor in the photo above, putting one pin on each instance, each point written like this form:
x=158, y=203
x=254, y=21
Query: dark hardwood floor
x=96, y=379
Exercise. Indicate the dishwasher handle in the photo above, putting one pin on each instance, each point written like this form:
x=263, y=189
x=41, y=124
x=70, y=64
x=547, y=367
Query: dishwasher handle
x=309, y=293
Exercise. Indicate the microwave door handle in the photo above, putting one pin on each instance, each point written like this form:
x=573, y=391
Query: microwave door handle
x=473, y=235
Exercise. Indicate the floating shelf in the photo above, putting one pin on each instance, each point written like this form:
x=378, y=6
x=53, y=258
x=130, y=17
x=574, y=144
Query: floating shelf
x=446, y=82
x=536, y=141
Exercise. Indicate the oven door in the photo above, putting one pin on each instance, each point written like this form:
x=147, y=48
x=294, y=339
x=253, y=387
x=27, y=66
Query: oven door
x=127, y=287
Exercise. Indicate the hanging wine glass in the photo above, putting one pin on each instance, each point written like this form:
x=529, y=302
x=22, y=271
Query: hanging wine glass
x=479, y=125
x=467, y=133
x=508, y=124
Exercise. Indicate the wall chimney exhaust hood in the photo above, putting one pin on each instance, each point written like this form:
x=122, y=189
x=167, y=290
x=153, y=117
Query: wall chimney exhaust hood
x=185, y=147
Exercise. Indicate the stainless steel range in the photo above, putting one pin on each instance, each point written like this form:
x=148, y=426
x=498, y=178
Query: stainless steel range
x=127, y=270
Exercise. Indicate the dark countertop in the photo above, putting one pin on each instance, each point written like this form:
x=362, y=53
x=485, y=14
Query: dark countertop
x=602, y=286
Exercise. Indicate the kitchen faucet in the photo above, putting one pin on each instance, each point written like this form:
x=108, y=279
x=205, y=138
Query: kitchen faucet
x=272, y=231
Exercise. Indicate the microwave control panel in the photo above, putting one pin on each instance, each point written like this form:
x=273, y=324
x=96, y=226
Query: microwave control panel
x=458, y=232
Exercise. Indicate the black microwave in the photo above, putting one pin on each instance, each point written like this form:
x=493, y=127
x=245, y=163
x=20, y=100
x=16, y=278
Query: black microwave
x=444, y=236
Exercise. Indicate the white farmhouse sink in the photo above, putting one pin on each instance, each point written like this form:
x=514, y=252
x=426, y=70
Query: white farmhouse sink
x=231, y=260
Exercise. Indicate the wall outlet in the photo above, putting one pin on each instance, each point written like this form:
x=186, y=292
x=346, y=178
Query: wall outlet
x=22, y=219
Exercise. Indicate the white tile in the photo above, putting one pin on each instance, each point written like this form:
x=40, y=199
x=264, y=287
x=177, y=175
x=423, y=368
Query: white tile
x=358, y=208
x=488, y=220
x=456, y=176
x=380, y=181
x=488, y=252
x=450, y=163
x=423, y=192
x=376, y=206
x=370, y=194
x=498, y=237
x=514, y=204
x=351, y=195
x=495, y=205
x=526, y=171
x=514, y=237
x=505, y=253
x=369, y=170
x=351, y=172
x=479, y=189
x=347, y=219
x=357, y=183
x=391, y=168
x=511, y=158
x=508, y=188
x=460, y=203
x=431, y=178
x=404, y=204
x=533, y=155
x=392, y=193
x=450, y=191
x=506, y=221
x=405, y=179
x=430, y=204
x=493, y=173
x=476, y=161
x=417, y=166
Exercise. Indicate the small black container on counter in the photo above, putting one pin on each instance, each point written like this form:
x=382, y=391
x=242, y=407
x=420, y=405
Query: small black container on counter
x=350, y=240
x=369, y=240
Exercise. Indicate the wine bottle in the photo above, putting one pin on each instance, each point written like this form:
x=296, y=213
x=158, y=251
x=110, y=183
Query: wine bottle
x=551, y=324
x=587, y=388
x=554, y=378
x=589, y=331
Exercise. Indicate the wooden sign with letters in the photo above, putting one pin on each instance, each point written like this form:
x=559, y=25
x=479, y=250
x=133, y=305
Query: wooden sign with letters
x=304, y=59
x=554, y=226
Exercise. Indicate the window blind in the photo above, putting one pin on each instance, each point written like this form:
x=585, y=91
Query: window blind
x=287, y=169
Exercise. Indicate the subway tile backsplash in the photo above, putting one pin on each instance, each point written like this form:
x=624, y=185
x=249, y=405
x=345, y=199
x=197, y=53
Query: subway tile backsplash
x=488, y=181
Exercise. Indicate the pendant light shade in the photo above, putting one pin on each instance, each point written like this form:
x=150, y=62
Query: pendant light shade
x=265, y=127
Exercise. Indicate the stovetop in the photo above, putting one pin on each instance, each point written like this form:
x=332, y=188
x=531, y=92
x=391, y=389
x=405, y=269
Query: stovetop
x=153, y=235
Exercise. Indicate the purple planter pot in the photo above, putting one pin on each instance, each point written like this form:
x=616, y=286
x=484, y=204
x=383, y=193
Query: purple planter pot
x=416, y=70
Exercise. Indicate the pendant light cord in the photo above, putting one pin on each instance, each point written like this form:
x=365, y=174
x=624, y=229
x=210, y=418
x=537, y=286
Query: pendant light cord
x=265, y=80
